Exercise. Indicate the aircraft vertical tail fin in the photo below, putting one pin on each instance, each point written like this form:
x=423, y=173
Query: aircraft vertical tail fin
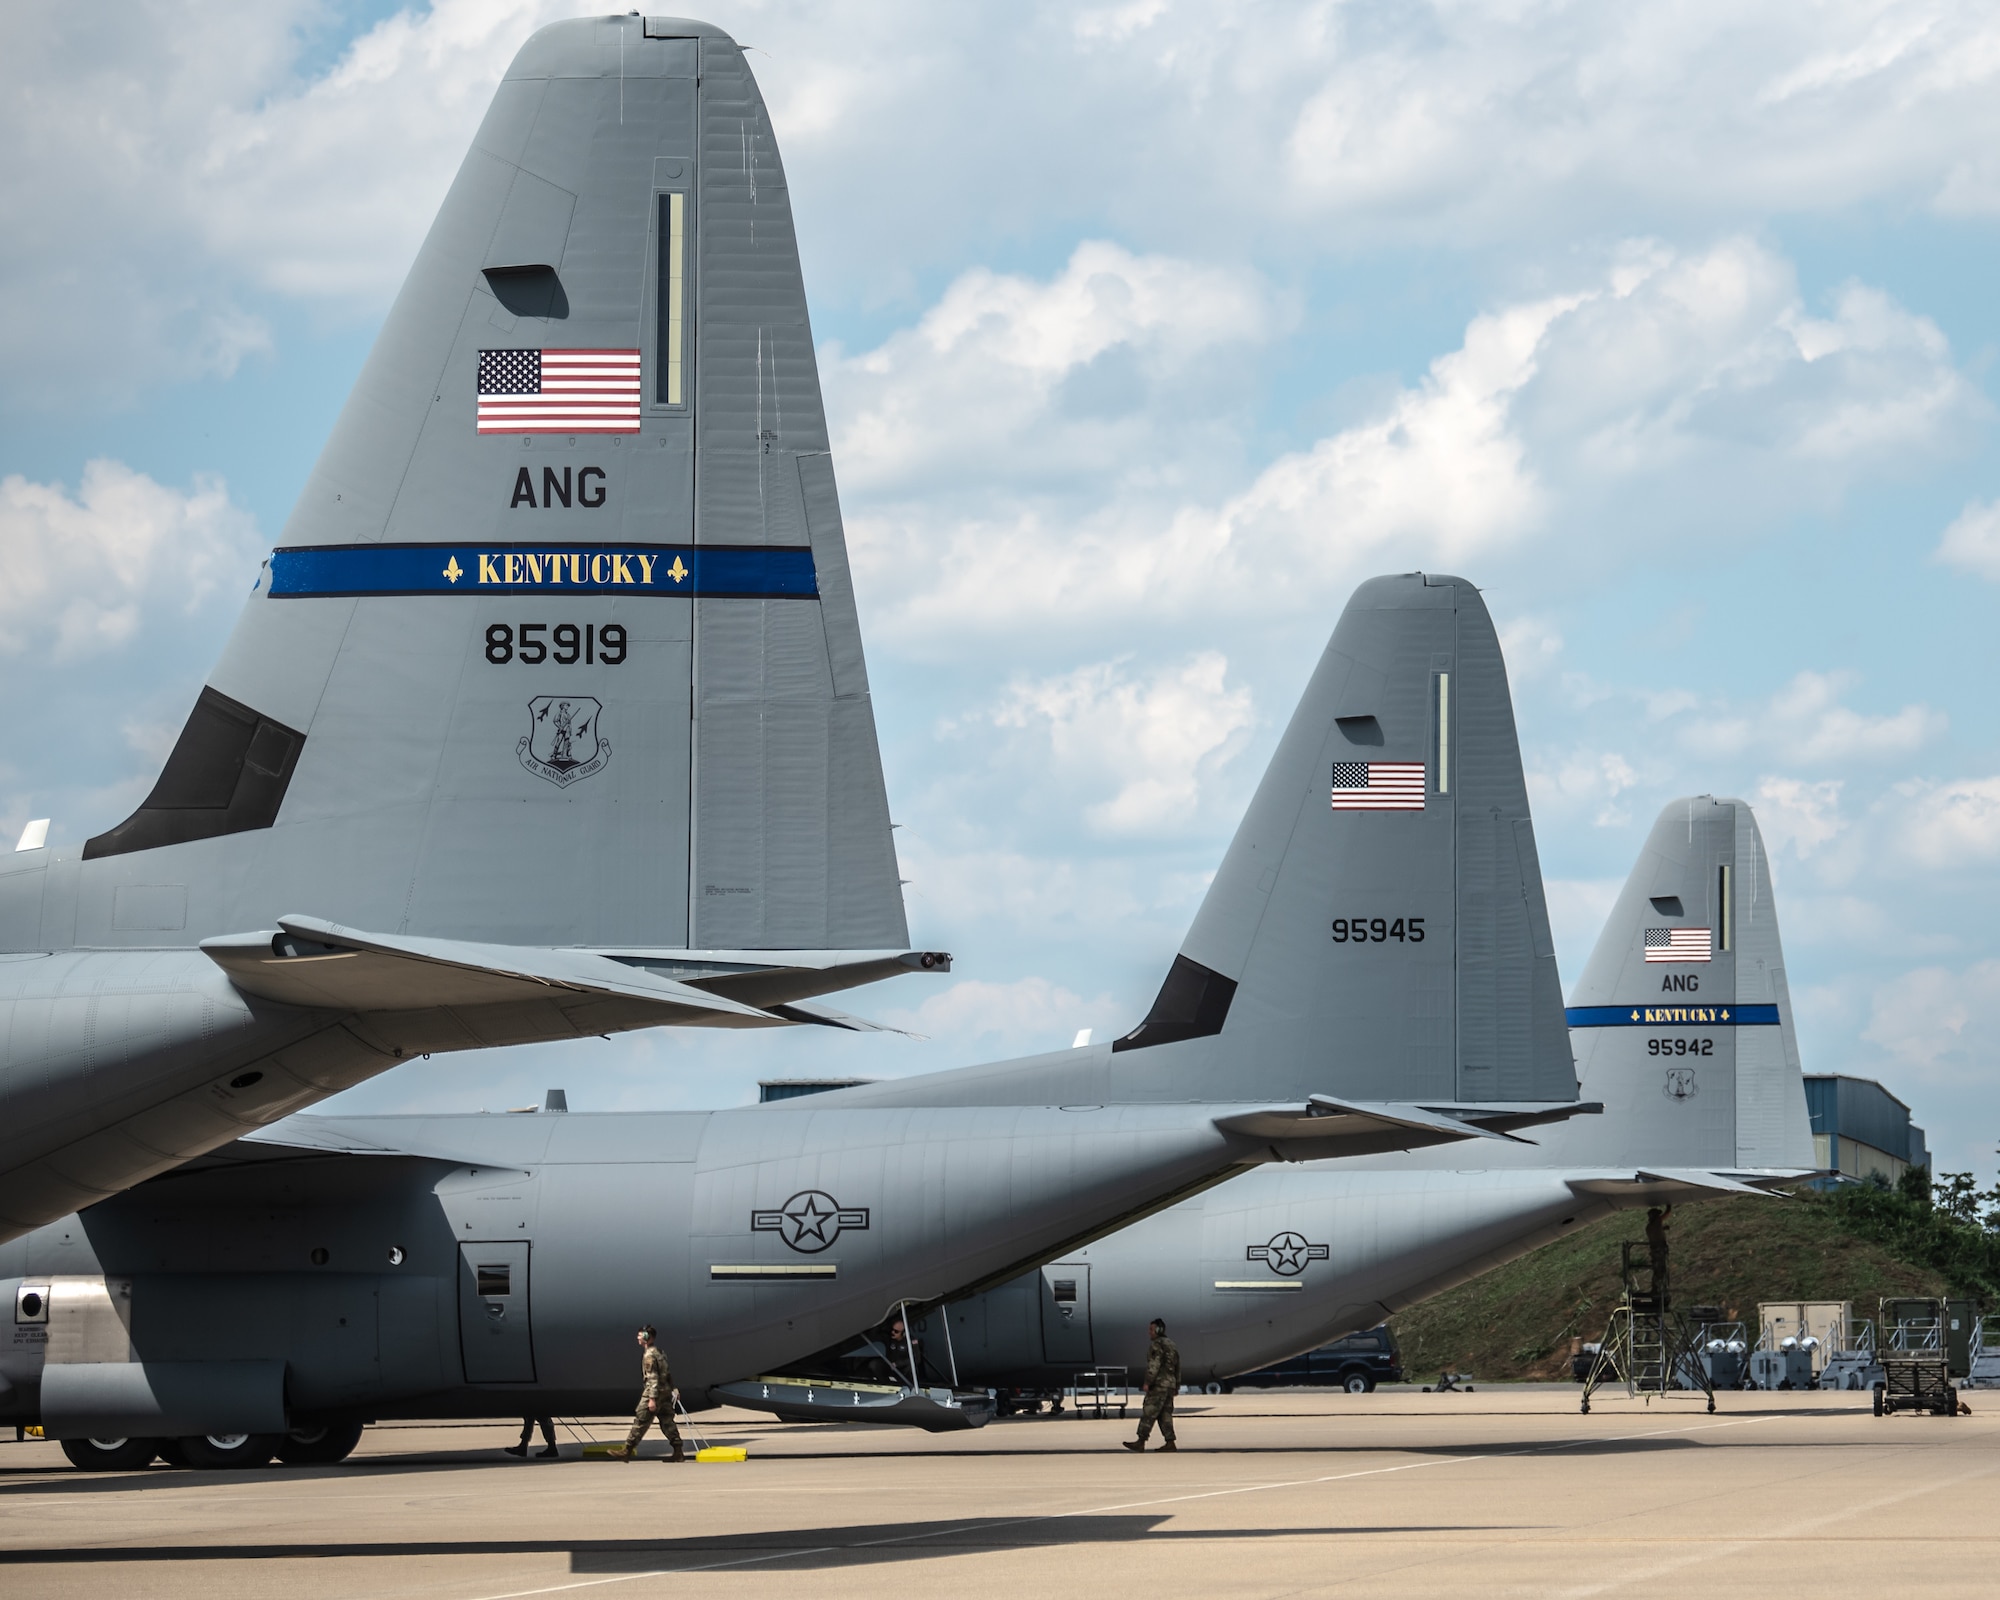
x=1683, y=1016
x=560, y=645
x=1377, y=928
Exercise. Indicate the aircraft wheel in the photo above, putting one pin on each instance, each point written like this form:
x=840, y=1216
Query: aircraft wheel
x=1214, y=1388
x=1357, y=1383
x=320, y=1446
x=110, y=1455
x=213, y=1450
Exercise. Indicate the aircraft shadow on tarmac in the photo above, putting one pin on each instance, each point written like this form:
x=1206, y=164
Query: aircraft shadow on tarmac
x=858, y=1545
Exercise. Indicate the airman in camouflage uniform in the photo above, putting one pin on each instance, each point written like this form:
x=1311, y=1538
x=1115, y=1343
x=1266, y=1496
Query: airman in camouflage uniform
x=1163, y=1382
x=656, y=1399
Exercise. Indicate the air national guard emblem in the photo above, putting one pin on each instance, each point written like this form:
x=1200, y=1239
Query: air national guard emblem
x=563, y=742
x=1680, y=1084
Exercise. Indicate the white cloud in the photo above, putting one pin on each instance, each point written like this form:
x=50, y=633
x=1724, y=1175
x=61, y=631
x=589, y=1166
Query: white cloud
x=323, y=189
x=1583, y=783
x=1116, y=24
x=1936, y=1023
x=170, y=169
x=1030, y=1014
x=1578, y=910
x=170, y=166
x=1010, y=379
x=1953, y=825
x=1712, y=357
x=77, y=572
x=1530, y=646
x=1477, y=111
x=1804, y=722
x=1158, y=740
x=1692, y=392
x=1972, y=542
x=1798, y=814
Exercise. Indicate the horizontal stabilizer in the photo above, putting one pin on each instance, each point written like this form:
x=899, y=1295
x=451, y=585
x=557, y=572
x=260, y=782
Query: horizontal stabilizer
x=827, y=1017
x=323, y=965
x=1681, y=1183
x=768, y=978
x=1327, y=1127
x=1507, y=1118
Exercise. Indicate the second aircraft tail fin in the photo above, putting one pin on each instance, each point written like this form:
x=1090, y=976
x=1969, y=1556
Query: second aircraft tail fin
x=1377, y=927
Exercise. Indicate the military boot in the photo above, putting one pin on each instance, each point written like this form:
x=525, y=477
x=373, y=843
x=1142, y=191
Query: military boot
x=679, y=1454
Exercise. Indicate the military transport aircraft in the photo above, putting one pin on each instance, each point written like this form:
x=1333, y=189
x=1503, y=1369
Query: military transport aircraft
x=1683, y=1030
x=548, y=717
x=1370, y=970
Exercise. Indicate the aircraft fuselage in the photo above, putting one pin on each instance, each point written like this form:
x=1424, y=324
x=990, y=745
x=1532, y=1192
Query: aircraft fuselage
x=386, y=1284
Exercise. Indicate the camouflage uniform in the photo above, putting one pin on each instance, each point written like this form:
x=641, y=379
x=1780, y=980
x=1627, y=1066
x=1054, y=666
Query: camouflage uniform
x=658, y=1388
x=1656, y=1249
x=1163, y=1381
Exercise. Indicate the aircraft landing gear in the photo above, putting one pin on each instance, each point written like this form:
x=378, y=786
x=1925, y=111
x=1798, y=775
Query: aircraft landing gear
x=230, y=1450
x=319, y=1446
x=110, y=1455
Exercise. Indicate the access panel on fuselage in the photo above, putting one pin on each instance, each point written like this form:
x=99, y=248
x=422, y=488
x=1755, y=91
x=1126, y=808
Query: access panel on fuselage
x=494, y=1334
x=1066, y=1337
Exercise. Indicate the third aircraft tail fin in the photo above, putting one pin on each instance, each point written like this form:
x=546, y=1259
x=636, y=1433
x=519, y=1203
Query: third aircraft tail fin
x=1683, y=1016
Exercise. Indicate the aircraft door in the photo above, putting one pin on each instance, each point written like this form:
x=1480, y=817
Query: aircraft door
x=1066, y=1314
x=493, y=1330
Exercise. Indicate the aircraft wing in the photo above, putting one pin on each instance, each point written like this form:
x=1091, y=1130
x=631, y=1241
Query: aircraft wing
x=1326, y=1127
x=318, y=964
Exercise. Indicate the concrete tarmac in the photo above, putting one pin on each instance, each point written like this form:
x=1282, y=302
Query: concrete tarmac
x=1500, y=1492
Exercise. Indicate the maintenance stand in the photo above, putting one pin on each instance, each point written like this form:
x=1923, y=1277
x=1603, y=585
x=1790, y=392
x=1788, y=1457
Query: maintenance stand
x=1649, y=1347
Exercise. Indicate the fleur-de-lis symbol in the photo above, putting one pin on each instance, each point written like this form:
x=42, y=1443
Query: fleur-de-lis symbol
x=677, y=572
x=453, y=571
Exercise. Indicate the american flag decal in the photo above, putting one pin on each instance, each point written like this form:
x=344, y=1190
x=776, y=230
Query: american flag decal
x=558, y=391
x=1378, y=786
x=1678, y=944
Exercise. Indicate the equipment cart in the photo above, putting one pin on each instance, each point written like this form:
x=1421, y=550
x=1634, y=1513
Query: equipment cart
x=1915, y=1360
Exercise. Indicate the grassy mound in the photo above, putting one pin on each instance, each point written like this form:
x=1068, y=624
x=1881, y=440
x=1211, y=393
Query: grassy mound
x=1517, y=1321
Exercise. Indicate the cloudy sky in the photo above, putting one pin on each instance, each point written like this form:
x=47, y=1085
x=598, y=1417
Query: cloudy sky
x=1147, y=330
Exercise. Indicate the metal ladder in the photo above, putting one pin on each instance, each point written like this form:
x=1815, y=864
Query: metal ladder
x=1649, y=1347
